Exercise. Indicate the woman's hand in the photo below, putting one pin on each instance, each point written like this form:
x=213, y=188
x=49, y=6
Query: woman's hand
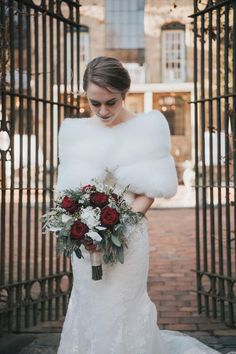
x=89, y=245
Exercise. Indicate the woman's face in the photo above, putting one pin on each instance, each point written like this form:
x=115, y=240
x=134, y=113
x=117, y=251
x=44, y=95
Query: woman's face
x=104, y=103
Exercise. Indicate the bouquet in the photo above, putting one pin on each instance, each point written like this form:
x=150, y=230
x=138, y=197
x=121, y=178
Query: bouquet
x=92, y=215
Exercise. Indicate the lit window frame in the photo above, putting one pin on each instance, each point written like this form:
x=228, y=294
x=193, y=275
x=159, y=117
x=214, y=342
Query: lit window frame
x=175, y=74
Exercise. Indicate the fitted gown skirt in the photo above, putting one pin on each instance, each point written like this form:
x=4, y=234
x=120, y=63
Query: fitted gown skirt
x=115, y=315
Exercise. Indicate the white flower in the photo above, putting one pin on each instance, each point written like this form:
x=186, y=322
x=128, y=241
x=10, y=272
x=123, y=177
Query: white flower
x=90, y=216
x=84, y=198
x=100, y=187
x=94, y=236
x=65, y=218
x=100, y=228
x=53, y=228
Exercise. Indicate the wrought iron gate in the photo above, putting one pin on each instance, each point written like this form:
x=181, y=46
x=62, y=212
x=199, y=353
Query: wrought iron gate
x=39, y=84
x=215, y=156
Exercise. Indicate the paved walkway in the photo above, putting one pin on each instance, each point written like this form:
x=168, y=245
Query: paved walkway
x=171, y=287
x=171, y=282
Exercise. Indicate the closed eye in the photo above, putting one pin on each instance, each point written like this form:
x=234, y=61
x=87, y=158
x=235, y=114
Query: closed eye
x=111, y=103
x=96, y=104
x=108, y=103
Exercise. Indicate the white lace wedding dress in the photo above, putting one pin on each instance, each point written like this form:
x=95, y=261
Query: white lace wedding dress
x=115, y=315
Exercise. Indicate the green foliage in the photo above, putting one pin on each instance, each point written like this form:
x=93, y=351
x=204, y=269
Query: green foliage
x=114, y=239
x=106, y=258
x=120, y=254
x=59, y=246
x=79, y=253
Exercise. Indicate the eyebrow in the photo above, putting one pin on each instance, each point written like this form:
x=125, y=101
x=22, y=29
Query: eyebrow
x=112, y=99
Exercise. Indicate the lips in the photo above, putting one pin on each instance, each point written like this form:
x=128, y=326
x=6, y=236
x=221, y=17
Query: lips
x=105, y=117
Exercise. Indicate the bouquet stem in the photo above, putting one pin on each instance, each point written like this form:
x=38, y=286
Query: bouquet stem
x=96, y=262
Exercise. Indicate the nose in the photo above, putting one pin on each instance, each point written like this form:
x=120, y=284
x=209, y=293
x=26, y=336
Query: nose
x=103, y=111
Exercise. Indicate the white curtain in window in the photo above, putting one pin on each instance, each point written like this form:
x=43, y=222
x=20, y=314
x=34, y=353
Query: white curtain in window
x=173, y=55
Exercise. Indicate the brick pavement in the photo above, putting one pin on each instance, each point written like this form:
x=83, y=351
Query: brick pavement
x=170, y=285
x=171, y=282
x=172, y=256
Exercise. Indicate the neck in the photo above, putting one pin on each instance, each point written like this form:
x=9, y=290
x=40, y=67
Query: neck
x=123, y=117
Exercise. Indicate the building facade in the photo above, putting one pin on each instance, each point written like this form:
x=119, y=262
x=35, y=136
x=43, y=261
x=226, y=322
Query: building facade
x=155, y=43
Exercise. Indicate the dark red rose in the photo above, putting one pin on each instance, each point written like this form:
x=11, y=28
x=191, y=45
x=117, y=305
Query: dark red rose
x=78, y=230
x=109, y=216
x=99, y=199
x=69, y=204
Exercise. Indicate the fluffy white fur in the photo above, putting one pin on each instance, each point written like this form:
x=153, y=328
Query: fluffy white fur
x=136, y=152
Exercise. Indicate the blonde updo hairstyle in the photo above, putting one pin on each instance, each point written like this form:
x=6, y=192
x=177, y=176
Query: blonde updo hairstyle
x=107, y=72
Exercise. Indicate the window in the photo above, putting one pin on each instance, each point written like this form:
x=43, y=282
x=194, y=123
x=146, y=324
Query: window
x=137, y=72
x=135, y=102
x=173, y=53
x=174, y=107
x=124, y=24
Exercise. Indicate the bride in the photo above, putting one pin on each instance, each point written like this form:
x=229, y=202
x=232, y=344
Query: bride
x=115, y=315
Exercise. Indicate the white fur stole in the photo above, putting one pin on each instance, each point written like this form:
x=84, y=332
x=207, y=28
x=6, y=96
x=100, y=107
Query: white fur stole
x=136, y=152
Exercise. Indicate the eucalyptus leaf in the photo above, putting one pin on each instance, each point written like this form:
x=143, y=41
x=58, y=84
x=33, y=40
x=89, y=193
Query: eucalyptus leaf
x=64, y=232
x=117, y=227
x=78, y=253
x=59, y=247
x=106, y=258
x=120, y=254
x=116, y=241
x=68, y=252
x=68, y=224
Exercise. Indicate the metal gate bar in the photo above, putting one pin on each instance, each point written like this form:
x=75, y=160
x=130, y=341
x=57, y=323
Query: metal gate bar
x=35, y=37
x=214, y=26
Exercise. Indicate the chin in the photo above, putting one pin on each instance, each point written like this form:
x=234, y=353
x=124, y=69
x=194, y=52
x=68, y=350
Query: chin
x=107, y=121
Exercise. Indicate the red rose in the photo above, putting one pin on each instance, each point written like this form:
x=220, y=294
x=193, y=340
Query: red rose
x=78, y=230
x=109, y=216
x=99, y=199
x=69, y=204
